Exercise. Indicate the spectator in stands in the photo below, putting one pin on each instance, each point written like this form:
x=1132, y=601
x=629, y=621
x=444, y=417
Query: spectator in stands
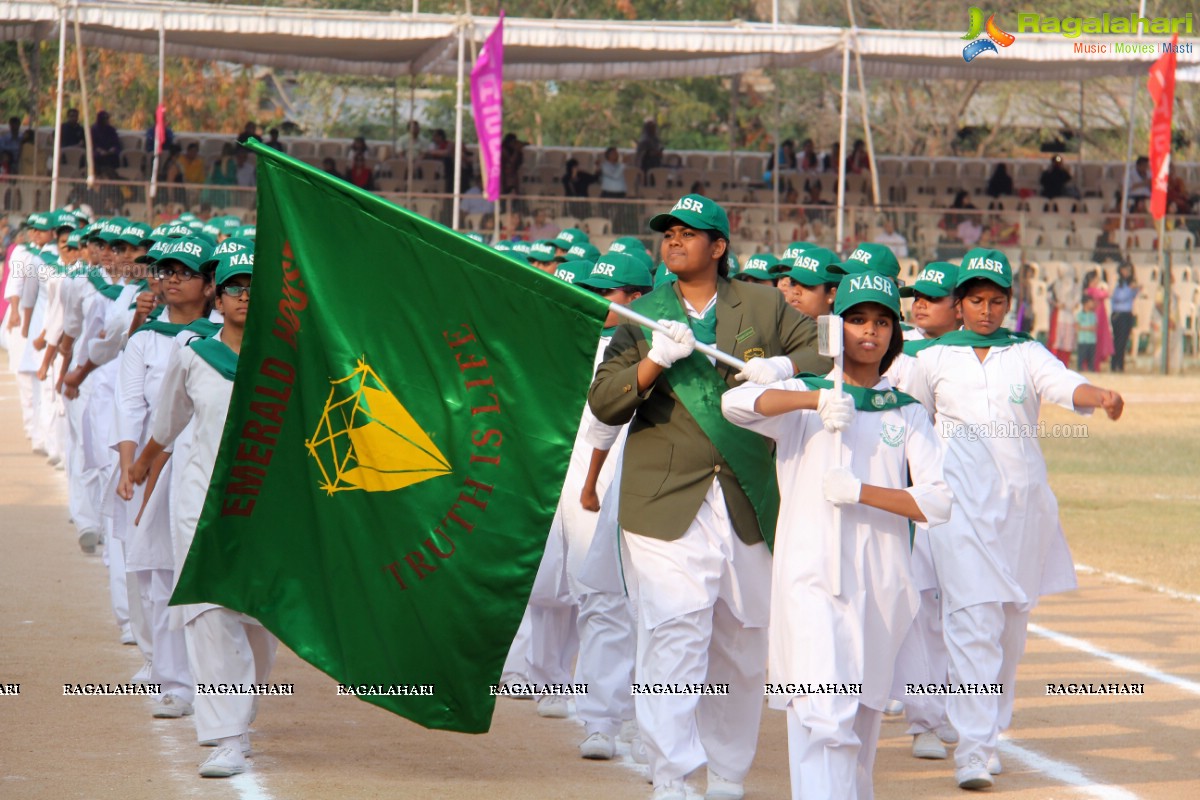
x=72, y=131
x=1000, y=232
x=412, y=148
x=443, y=151
x=1139, y=215
x=1055, y=180
x=969, y=231
x=809, y=161
x=330, y=166
x=171, y=172
x=512, y=158
x=106, y=147
x=1108, y=245
x=1001, y=183
x=6, y=166
x=541, y=227
x=357, y=148
x=892, y=239
x=700, y=187
x=274, y=140
x=1123, y=320
x=360, y=173
x=10, y=142
x=787, y=160
x=245, y=167
x=1023, y=299
x=192, y=164
x=1178, y=195
x=611, y=173
x=649, y=149
x=249, y=132
x=1096, y=290
x=575, y=183
x=1086, y=334
x=829, y=162
x=168, y=136
x=224, y=173
x=1139, y=179
x=858, y=162
x=473, y=201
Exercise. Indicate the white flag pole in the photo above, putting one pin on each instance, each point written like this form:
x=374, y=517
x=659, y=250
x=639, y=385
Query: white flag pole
x=706, y=349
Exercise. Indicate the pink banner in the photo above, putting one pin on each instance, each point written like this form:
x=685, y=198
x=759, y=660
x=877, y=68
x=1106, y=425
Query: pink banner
x=160, y=128
x=1162, y=90
x=487, y=104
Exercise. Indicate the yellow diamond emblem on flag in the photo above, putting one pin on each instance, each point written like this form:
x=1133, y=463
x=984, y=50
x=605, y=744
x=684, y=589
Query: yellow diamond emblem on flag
x=367, y=440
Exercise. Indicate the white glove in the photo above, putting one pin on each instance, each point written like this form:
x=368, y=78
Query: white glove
x=767, y=370
x=836, y=410
x=667, y=348
x=841, y=487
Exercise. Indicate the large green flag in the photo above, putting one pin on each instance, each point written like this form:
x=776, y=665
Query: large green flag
x=404, y=409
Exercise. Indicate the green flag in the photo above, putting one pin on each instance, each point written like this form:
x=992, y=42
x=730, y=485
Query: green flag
x=404, y=409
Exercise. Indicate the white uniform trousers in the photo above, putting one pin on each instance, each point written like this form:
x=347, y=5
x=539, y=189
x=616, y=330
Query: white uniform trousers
x=607, y=644
x=923, y=660
x=702, y=606
x=169, y=668
x=832, y=741
x=985, y=643
x=83, y=500
x=28, y=394
x=47, y=420
x=553, y=643
x=227, y=647
x=516, y=665
x=114, y=559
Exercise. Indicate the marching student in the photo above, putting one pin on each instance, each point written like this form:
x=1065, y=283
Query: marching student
x=811, y=286
x=23, y=266
x=149, y=556
x=223, y=646
x=1003, y=547
x=923, y=658
x=757, y=269
x=842, y=597
x=692, y=491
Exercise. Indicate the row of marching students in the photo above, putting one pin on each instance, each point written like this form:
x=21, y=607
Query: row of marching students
x=138, y=331
x=673, y=581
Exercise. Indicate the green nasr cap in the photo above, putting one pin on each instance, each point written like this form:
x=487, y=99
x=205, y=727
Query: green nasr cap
x=870, y=256
x=812, y=267
x=794, y=249
x=571, y=271
x=982, y=262
x=614, y=270
x=759, y=266
x=937, y=279
x=233, y=264
x=584, y=251
x=866, y=287
x=695, y=211
x=569, y=237
x=542, y=250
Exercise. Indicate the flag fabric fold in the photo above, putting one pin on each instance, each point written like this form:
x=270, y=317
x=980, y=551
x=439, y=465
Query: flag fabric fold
x=402, y=417
x=487, y=106
x=1162, y=90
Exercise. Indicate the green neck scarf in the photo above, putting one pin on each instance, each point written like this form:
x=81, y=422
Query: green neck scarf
x=864, y=399
x=110, y=290
x=608, y=331
x=704, y=328
x=699, y=387
x=201, y=327
x=217, y=355
x=1001, y=337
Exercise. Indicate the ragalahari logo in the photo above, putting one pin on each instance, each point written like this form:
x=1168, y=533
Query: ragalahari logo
x=995, y=36
x=368, y=440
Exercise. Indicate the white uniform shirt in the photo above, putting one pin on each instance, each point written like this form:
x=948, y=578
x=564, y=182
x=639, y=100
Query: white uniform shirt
x=1003, y=542
x=816, y=637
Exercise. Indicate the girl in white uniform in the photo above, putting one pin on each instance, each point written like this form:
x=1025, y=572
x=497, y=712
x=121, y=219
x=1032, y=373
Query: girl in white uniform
x=1003, y=547
x=842, y=597
x=149, y=555
x=223, y=646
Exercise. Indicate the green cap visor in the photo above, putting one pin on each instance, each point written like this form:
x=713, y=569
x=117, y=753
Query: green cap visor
x=871, y=257
x=696, y=212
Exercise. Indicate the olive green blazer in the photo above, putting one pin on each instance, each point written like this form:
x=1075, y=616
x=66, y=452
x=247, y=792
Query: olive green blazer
x=669, y=462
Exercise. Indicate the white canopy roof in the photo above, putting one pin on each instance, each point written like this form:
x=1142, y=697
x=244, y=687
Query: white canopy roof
x=394, y=45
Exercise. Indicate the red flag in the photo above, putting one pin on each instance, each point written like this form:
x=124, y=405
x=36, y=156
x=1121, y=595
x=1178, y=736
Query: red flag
x=1162, y=89
x=160, y=123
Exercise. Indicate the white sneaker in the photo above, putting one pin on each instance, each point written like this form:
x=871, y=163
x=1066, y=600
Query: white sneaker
x=54, y=461
x=225, y=762
x=928, y=745
x=88, y=539
x=599, y=746
x=637, y=750
x=171, y=707
x=722, y=788
x=142, y=675
x=511, y=678
x=629, y=731
x=974, y=775
x=127, y=635
x=675, y=790
x=552, y=707
x=245, y=743
x=947, y=734
x=994, y=765
x=893, y=708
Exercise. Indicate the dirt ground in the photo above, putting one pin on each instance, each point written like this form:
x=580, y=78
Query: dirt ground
x=56, y=627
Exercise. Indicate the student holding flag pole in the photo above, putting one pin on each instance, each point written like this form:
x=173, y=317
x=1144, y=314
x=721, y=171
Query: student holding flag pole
x=1003, y=547
x=842, y=594
x=223, y=646
x=698, y=496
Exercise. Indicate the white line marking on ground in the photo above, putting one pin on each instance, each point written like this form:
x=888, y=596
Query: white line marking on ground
x=1119, y=578
x=1063, y=772
x=250, y=787
x=1120, y=661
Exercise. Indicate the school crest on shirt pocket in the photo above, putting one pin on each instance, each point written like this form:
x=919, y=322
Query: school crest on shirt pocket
x=892, y=435
x=753, y=352
x=1016, y=393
